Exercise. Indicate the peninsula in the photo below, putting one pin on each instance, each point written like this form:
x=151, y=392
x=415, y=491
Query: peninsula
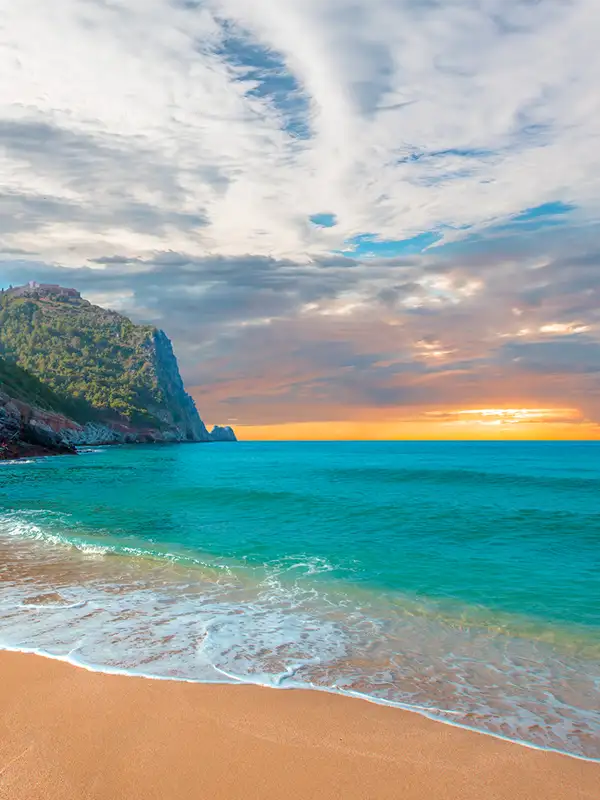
x=73, y=374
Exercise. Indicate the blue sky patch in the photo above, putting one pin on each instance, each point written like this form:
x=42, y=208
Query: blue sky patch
x=324, y=220
x=268, y=77
x=547, y=215
x=368, y=245
x=545, y=210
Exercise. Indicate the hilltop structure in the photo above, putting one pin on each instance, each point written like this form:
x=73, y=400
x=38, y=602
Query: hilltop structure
x=35, y=289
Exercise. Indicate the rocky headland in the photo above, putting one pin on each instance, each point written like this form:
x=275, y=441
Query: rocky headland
x=74, y=374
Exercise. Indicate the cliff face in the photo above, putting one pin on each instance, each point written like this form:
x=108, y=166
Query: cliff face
x=90, y=376
x=180, y=413
x=28, y=431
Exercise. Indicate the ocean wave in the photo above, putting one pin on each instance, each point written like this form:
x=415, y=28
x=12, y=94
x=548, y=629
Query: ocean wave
x=279, y=627
x=470, y=477
x=90, y=450
x=63, y=532
x=257, y=581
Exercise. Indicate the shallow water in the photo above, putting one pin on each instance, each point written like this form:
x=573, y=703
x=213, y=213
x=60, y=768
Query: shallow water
x=458, y=579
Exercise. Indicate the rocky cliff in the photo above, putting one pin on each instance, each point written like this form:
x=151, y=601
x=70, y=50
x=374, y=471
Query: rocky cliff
x=180, y=413
x=89, y=376
x=29, y=431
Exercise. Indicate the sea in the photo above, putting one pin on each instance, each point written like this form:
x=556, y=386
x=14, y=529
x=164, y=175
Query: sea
x=458, y=580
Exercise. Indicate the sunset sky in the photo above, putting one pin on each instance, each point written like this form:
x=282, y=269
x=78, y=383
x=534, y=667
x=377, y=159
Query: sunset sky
x=354, y=218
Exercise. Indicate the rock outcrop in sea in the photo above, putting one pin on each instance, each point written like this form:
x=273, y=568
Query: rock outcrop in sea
x=222, y=434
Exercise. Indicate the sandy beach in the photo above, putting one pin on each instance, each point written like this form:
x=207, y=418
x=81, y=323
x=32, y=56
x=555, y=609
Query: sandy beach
x=70, y=734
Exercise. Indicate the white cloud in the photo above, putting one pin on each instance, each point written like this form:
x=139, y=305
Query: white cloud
x=564, y=328
x=153, y=119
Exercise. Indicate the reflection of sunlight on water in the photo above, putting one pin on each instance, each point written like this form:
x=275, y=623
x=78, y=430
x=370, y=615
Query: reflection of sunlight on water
x=289, y=624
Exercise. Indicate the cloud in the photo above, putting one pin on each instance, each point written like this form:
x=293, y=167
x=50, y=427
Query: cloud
x=272, y=339
x=557, y=356
x=224, y=126
x=507, y=416
x=372, y=206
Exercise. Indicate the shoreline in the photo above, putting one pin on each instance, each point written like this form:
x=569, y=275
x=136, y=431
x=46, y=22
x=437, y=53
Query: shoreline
x=140, y=668
x=25, y=452
x=69, y=732
x=404, y=708
x=31, y=452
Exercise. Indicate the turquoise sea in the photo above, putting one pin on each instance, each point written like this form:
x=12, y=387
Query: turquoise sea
x=460, y=580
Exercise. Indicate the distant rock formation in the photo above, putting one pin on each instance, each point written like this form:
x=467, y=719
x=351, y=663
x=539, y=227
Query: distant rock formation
x=222, y=434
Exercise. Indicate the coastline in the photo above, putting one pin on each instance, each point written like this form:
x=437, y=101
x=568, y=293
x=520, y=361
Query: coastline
x=9, y=454
x=19, y=452
x=68, y=733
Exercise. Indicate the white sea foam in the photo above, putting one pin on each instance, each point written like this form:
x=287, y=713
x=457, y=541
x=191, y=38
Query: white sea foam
x=89, y=450
x=24, y=526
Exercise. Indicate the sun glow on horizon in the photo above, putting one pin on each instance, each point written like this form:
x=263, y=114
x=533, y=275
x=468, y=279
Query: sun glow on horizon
x=480, y=423
x=507, y=416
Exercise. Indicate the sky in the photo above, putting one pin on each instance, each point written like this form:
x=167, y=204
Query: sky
x=354, y=218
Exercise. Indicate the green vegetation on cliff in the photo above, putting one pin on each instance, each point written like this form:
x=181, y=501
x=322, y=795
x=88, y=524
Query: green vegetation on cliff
x=89, y=363
x=20, y=385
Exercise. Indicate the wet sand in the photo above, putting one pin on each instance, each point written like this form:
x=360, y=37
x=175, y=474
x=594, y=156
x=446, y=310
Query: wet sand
x=70, y=734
